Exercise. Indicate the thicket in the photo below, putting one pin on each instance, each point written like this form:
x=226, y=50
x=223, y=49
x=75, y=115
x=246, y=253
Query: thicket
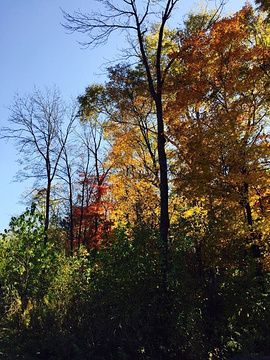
x=110, y=303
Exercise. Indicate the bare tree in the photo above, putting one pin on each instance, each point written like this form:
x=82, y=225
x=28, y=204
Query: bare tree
x=67, y=171
x=37, y=122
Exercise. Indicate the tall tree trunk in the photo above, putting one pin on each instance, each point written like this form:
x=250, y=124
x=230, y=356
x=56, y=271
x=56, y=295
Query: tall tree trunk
x=156, y=95
x=164, y=197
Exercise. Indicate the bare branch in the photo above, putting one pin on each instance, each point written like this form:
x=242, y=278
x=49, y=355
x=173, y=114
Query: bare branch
x=36, y=126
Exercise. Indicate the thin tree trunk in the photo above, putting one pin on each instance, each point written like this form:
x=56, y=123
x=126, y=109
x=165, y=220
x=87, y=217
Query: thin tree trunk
x=71, y=224
x=81, y=212
x=47, y=211
x=99, y=183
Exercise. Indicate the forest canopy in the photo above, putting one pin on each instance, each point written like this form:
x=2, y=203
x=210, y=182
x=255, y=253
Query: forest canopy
x=147, y=231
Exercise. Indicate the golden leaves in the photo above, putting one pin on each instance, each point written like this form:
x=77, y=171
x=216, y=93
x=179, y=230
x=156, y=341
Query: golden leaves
x=217, y=122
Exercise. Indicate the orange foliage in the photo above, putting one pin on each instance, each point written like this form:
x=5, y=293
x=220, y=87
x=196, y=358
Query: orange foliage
x=217, y=122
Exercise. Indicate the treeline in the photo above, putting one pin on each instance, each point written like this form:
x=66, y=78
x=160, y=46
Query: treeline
x=89, y=270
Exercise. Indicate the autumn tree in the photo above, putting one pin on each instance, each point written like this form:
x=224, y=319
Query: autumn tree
x=98, y=26
x=218, y=124
x=90, y=208
x=126, y=113
x=132, y=111
x=37, y=125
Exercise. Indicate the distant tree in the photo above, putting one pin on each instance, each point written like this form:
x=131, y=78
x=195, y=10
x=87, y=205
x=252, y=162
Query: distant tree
x=37, y=122
x=67, y=172
x=92, y=171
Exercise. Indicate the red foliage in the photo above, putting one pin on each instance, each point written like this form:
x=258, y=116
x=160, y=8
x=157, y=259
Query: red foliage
x=92, y=227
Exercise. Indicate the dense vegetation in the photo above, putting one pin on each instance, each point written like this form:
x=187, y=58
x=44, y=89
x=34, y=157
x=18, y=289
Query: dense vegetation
x=83, y=271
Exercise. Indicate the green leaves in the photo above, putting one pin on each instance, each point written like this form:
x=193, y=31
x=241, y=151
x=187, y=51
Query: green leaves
x=25, y=259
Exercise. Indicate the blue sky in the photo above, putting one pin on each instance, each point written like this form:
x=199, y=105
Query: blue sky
x=36, y=51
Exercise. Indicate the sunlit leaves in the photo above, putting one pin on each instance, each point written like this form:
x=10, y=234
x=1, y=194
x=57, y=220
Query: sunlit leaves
x=217, y=124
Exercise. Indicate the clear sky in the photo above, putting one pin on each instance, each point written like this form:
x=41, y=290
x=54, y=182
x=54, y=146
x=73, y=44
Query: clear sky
x=36, y=51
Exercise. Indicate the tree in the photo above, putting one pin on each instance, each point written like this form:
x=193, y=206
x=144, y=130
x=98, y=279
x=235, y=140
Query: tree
x=91, y=225
x=131, y=113
x=37, y=122
x=24, y=259
x=218, y=123
x=66, y=173
x=85, y=176
x=129, y=18
x=125, y=110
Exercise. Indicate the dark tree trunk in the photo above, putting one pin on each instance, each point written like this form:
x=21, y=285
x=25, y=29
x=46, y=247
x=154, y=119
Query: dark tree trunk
x=247, y=204
x=71, y=224
x=81, y=213
x=156, y=95
x=254, y=248
x=164, y=198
